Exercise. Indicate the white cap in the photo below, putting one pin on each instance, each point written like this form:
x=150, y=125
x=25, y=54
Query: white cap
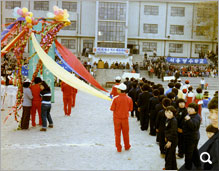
x=118, y=78
x=121, y=86
x=27, y=80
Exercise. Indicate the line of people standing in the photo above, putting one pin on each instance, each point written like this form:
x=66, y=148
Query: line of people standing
x=169, y=117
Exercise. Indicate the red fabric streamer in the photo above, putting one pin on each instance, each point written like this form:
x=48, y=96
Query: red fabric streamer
x=9, y=33
x=11, y=44
x=72, y=61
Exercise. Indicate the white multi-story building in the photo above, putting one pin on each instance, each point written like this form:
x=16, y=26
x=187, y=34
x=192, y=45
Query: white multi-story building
x=168, y=27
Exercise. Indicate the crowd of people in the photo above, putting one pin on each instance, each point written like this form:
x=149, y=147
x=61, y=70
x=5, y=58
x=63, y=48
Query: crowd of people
x=160, y=68
x=115, y=65
x=174, y=116
x=37, y=99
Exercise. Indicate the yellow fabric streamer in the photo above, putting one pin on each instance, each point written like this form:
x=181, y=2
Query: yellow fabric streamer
x=64, y=75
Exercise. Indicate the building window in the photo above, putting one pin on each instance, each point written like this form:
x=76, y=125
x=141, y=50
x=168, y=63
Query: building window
x=69, y=43
x=70, y=6
x=177, y=29
x=88, y=44
x=151, y=28
x=9, y=20
x=41, y=5
x=112, y=11
x=111, y=45
x=151, y=10
x=12, y=4
x=149, y=46
x=201, y=48
x=72, y=26
x=111, y=31
x=178, y=11
x=175, y=48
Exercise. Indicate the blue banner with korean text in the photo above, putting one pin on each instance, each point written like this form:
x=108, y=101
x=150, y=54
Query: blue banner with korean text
x=186, y=60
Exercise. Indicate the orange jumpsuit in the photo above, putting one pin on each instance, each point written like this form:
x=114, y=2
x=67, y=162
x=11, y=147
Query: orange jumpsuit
x=74, y=92
x=114, y=90
x=36, y=104
x=67, y=97
x=121, y=106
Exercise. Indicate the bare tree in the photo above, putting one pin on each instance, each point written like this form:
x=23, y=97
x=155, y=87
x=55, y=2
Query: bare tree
x=207, y=19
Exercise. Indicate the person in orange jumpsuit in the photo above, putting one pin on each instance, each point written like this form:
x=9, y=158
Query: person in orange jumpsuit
x=114, y=89
x=74, y=92
x=121, y=106
x=67, y=97
x=36, y=101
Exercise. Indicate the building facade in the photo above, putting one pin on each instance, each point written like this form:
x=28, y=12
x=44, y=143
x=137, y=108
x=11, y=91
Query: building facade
x=166, y=27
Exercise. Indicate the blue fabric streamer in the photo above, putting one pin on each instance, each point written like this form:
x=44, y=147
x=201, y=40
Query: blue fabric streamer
x=66, y=65
x=7, y=30
x=62, y=63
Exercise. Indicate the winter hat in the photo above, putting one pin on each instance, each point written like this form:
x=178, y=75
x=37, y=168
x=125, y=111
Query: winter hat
x=118, y=78
x=121, y=86
x=184, y=91
x=187, y=81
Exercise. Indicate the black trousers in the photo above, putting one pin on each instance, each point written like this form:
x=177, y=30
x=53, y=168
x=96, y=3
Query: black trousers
x=152, y=122
x=134, y=111
x=170, y=158
x=181, y=150
x=144, y=119
x=162, y=141
x=191, y=153
x=25, y=117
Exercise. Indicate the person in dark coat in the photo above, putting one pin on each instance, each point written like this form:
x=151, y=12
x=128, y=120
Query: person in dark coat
x=160, y=125
x=177, y=75
x=171, y=138
x=158, y=107
x=175, y=91
x=213, y=143
x=143, y=107
x=153, y=102
x=128, y=84
x=172, y=97
x=161, y=90
x=133, y=94
x=138, y=92
x=191, y=137
x=182, y=112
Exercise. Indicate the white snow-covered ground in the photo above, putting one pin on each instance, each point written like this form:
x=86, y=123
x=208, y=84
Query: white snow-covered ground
x=83, y=141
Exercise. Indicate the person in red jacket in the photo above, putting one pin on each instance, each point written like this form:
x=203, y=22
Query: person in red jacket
x=74, y=92
x=67, y=97
x=121, y=106
x=36, y=101
x=114, y=89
